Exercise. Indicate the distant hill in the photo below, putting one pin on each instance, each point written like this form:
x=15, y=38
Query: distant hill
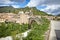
x=6, y=9
x=58, y=15
x=10, y=9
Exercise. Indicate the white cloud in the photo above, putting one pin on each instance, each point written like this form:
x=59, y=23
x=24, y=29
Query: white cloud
x=54, y=9
x=51, y=5
x=15, y=6
x=4, y=5
x=52, y=2
x=34, y=3
x=5, y=2
x=13, y=2
x=48, y=7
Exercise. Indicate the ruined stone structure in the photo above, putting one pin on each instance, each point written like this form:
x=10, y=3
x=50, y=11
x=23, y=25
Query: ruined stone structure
x=21, y=17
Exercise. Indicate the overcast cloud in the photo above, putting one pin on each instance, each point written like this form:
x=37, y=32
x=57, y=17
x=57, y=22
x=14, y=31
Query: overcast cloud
x=49, y=6
x=6, y=2
x=12, y=2
x=52, y=6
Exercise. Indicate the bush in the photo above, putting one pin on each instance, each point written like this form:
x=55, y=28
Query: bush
x=38, y=31
x=11, y=29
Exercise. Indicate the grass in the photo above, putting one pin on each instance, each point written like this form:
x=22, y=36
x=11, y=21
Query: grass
x=11, y=29
x=38, y=30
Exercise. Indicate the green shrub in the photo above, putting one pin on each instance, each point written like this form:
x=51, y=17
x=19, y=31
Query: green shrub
x=11, y=29
x=38, y=30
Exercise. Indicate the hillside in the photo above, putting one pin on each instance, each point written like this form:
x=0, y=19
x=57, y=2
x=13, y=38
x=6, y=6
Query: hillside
x=15, y=30
x=58, y=15
x=10, y=9
x=7, y=9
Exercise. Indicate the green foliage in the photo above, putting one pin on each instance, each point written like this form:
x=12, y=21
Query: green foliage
x=38, y=31
x=10, y=9
x=38, y=12
x=11, y=29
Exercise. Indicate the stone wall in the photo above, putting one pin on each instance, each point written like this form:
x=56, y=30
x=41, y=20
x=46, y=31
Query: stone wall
x=18, y=18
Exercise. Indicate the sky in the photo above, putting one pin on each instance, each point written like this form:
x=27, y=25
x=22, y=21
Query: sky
x=49, y=6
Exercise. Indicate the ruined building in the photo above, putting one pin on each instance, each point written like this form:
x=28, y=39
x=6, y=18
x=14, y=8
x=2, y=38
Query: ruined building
x=20, y=18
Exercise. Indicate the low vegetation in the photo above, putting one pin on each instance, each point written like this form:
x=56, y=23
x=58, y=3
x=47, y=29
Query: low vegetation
x=11, y=29
x=38, y=30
